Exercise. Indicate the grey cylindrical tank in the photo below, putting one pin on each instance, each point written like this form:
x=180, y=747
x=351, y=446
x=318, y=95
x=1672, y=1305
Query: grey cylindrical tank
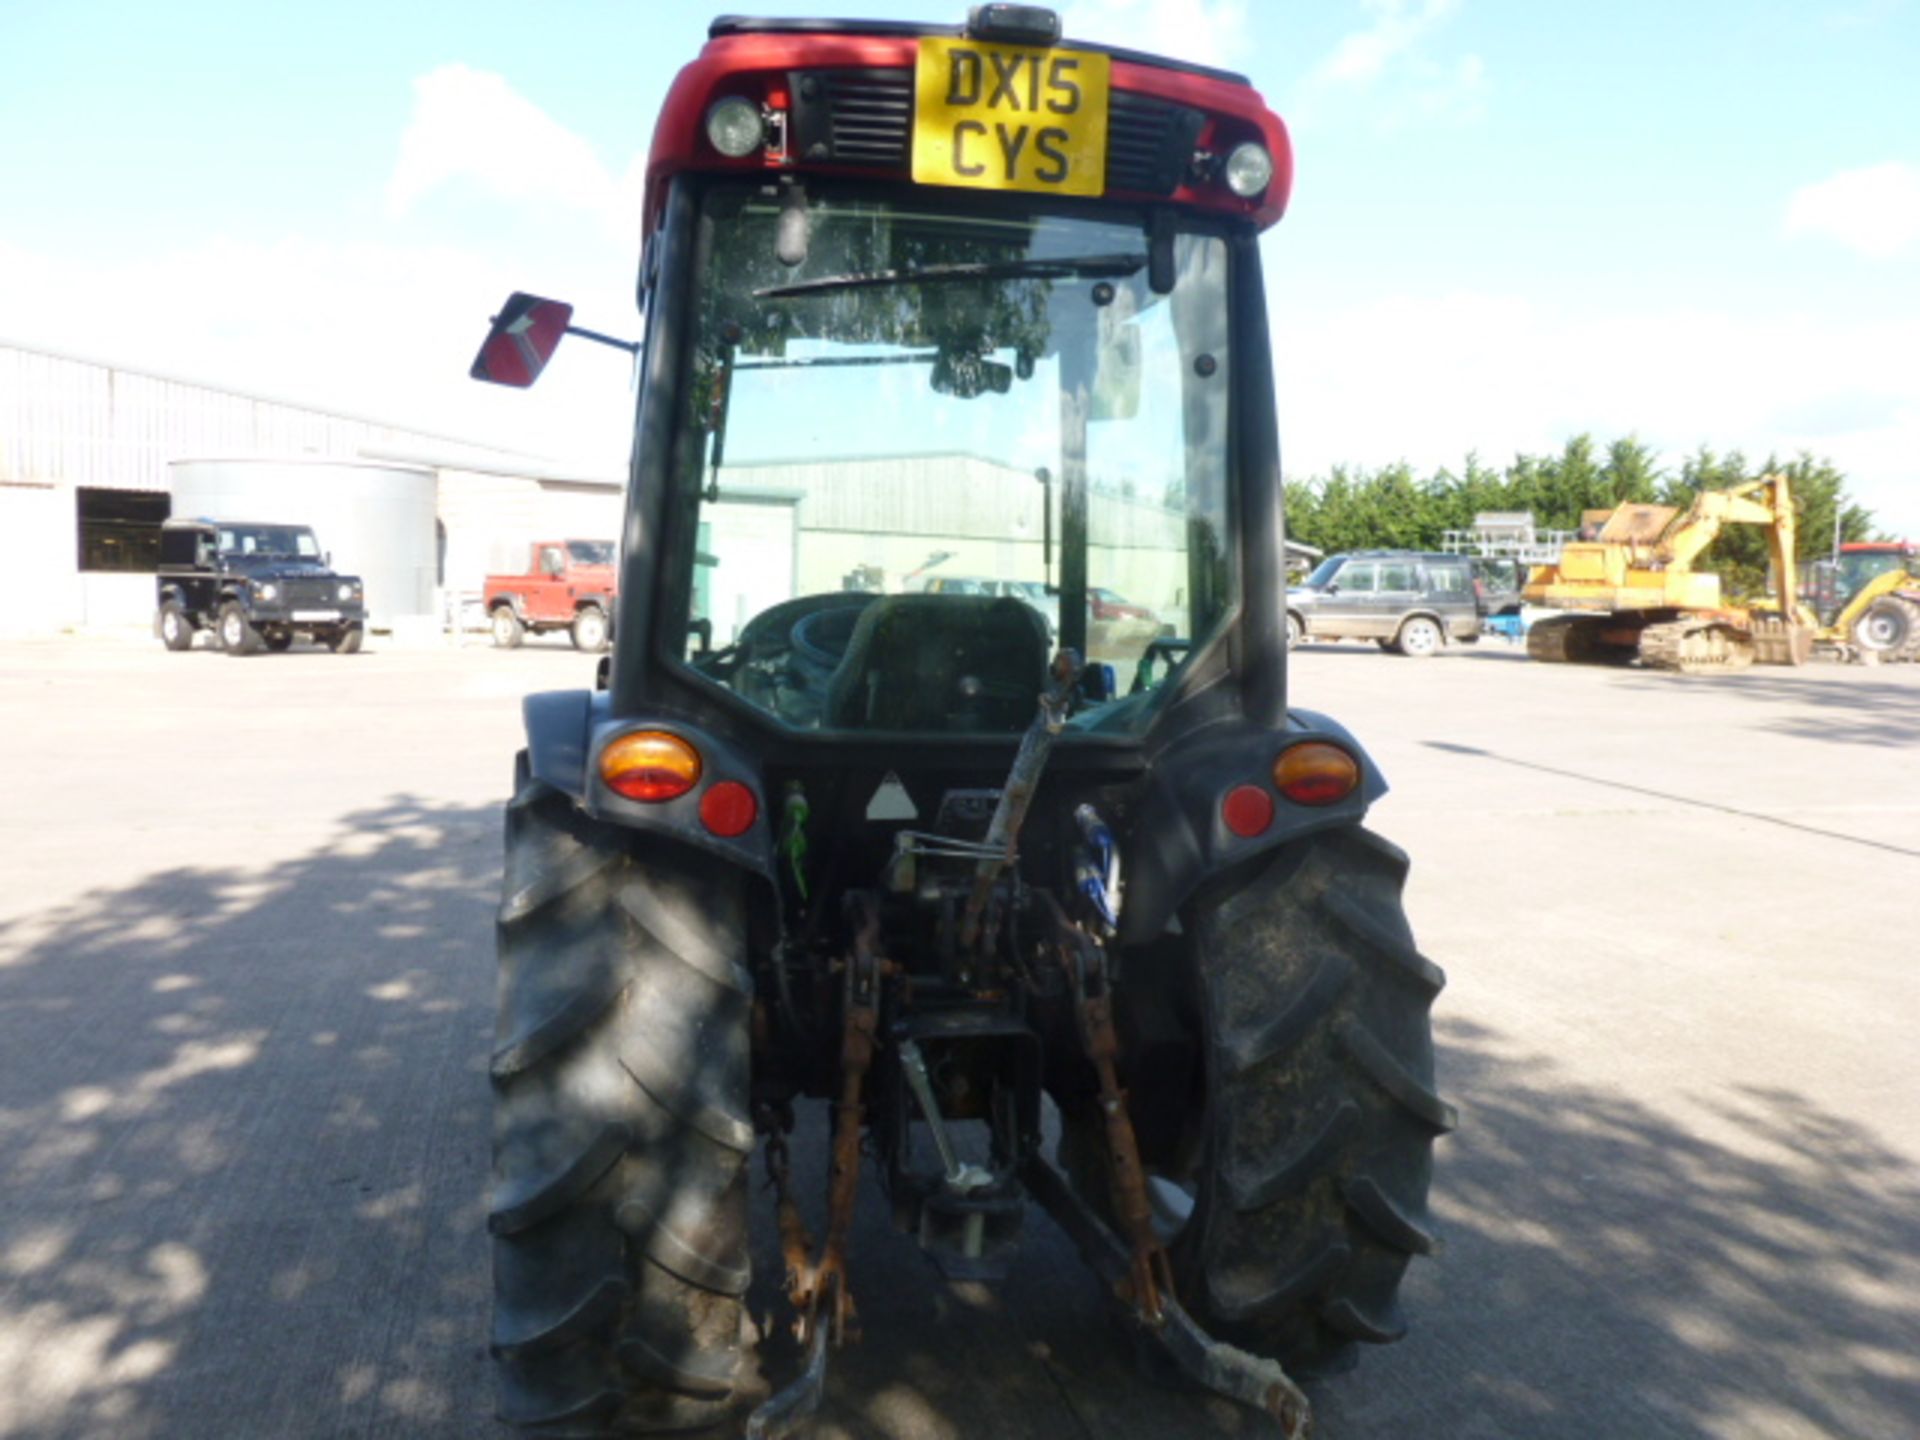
x=376, y=519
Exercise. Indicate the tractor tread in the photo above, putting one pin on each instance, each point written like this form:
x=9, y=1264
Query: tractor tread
x=1386, y=1072
x=1387, y=1219
x=1254, y=1189
x=1250, y=1049
x=620, y=1077
x=682, y=941
x=681, y=1097
x=680, y=1256
x=704, y=1375
x=1330, y=1256
x=1364, y=928
x=533, y=1198
x=529, y=900
x=1310, y=1192
x=1348, y=1317
x=565, y=1023
x=527, y=1334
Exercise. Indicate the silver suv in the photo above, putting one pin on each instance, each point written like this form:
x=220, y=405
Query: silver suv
x=1409, y=601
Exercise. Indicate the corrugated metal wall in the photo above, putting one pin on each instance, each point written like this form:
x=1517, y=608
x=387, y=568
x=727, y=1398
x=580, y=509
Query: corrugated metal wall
x=80, y=423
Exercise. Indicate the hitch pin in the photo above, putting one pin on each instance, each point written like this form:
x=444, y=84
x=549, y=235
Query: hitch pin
x=960, y=1175
x=962, y=1178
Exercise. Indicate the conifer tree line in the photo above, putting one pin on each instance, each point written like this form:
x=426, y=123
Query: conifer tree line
x=1394, y=508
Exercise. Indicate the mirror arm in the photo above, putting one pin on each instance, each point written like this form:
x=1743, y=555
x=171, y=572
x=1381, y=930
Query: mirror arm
x=632, y=347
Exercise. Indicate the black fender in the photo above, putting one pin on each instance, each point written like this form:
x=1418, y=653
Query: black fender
x=567, y=729
x=1177, y=840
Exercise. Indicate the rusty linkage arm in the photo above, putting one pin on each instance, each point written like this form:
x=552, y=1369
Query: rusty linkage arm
x=1003, y=833
x=1149, y=1276
x=1135, y=1263
x=817, y=1283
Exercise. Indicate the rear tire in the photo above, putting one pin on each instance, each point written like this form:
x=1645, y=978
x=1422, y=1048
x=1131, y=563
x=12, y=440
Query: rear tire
x=1888, y=628
x=236, y=632
x=620, y=1073
x=1296, y=631
x=176, y=630
x=1419, y=637
x=506, y=628
x=590, y=630
x=277, y=640
x=1307, y=1140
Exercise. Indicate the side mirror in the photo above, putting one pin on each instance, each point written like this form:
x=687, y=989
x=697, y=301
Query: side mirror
x=523, y=338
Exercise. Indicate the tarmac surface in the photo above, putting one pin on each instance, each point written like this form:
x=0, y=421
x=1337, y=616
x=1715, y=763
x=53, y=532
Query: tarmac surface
x=246, y=1002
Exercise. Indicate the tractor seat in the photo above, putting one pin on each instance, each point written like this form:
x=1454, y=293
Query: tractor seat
x=966, y=663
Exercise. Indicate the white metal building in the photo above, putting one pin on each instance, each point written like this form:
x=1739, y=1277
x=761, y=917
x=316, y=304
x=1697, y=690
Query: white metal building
x=89, y=451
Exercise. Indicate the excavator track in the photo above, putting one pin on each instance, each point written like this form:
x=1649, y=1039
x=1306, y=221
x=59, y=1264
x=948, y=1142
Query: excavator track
x=1697, y=647
x=1577, y=640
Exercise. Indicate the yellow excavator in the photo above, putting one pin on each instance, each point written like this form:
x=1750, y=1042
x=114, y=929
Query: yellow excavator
x=1630, y=591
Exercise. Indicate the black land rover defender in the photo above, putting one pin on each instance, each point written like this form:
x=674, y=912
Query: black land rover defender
x=253, y=585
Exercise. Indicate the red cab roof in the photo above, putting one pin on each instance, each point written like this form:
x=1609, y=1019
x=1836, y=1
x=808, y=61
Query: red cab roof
x=1154, y=107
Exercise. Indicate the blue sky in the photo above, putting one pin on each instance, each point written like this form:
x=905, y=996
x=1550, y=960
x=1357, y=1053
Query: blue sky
x=1512, y=221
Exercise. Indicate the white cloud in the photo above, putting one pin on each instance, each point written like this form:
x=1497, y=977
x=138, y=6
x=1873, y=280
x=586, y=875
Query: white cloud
x=472, y=125
x=1427, y=379
x=1388, y=66
x=383, y=327
x=1363, y=56
x=1204, y=32
x=1874, y=211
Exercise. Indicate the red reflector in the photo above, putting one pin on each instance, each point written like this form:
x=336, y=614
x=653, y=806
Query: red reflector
x=728, y=808
x=1247, y=810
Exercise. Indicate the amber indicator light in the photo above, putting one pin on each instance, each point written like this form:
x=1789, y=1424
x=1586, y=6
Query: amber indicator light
x=650, y=765
x=1315, y=773
x=728, y=809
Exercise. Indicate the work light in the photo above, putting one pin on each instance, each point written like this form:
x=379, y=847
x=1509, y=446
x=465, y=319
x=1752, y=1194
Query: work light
x=1249, y=170
x=734, y=127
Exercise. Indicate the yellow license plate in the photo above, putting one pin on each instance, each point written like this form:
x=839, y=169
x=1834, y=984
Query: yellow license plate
x=1010, y=117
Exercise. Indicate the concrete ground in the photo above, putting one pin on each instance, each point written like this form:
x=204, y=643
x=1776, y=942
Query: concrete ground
x=245, y=1004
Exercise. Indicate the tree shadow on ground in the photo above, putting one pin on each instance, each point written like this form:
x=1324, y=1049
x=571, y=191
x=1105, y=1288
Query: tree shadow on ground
x=245, y=1122
x=1742, y=1263
x=245, y=1115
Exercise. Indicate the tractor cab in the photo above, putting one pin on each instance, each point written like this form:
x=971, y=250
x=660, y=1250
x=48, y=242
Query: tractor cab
x=942, y=766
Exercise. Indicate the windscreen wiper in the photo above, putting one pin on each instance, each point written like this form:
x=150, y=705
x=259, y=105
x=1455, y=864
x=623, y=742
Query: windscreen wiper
x=1068, y=267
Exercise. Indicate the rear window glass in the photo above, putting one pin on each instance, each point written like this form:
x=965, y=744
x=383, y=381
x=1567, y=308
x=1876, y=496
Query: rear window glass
x=1396, y=576
x=1447, y=580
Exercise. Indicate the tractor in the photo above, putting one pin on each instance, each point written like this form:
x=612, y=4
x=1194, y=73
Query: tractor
x=1047, y=901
